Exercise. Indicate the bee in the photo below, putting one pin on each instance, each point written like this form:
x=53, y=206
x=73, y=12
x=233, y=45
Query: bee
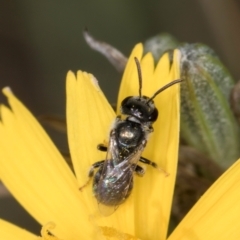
x=113, y=181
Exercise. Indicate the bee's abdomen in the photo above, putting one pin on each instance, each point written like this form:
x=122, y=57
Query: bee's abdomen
x=112, y=191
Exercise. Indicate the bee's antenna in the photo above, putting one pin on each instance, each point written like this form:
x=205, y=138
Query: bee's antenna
x=139, y=76
x=164, y=88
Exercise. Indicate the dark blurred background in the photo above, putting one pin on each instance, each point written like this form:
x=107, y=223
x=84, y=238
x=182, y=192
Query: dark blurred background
x=41, y=40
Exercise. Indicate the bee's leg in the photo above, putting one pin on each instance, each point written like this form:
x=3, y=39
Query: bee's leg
x=146, y=161
x=101, y=147
x=153, y=164
x=91, y=173
x=138, y=170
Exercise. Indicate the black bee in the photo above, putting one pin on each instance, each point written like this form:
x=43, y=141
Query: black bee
x=113, y=182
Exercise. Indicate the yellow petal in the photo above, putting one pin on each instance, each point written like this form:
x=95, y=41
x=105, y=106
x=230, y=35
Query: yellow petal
x=9, y=231
x=130, y=76
x=153, y=193
x=216, y=214
x=89, y=120
x=89, y=117
x=36, y=174
x=162, y=149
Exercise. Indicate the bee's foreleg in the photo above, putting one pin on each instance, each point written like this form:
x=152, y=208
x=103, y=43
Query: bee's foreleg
x=91, y=173
x=153, y=164
x=101, y=147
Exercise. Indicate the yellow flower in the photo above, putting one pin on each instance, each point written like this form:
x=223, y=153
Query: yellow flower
x=38, y=177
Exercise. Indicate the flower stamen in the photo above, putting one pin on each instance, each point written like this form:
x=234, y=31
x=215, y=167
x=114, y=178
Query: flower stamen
x=45, y=232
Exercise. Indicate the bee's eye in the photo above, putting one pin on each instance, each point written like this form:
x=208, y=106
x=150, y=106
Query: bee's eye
x=153, y=117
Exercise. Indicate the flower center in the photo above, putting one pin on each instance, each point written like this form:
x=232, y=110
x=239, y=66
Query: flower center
x=113, y=234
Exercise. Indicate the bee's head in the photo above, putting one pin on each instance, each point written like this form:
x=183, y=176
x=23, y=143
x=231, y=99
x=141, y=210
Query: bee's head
x=140, y=108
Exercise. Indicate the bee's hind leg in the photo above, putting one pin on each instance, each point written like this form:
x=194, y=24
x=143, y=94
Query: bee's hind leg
x=153, y=164
x=139, y=170
x=91, y=173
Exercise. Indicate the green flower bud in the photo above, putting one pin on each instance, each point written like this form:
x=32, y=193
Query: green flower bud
x=207, y=122
x=159, y=44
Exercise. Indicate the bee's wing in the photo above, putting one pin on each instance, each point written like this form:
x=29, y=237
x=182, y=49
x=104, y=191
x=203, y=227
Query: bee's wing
x=106, y=210
x=121, y=174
